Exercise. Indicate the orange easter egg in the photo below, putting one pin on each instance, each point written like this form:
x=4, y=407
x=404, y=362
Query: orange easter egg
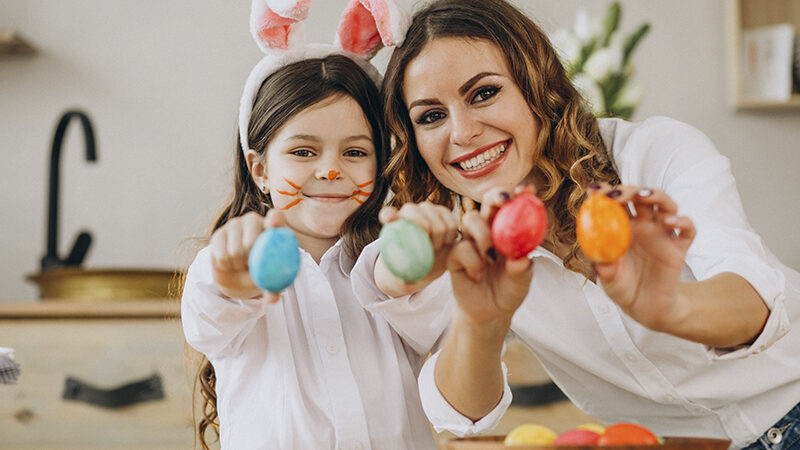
x=603, y=228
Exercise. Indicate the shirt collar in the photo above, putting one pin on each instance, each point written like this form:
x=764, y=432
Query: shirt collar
x=344, y=262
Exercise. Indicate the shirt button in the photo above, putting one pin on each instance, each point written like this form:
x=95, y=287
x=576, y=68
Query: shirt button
x=332, y=349
x=774, y=435
x=631, y=357
x=604, y=309
x=669, y=398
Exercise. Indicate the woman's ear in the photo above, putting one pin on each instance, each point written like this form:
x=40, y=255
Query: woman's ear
x=257, y=165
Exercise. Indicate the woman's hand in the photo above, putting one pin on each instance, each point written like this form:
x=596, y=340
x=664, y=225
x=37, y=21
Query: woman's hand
x=230, y=249
x=644, y=282
x=442, y=228
x=488, y=286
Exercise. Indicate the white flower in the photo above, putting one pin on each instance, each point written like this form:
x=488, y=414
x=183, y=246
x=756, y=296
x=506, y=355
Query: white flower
x=567, y=45
x=591, y=92
x=603, y=62
x=583, y=29
x=629, y=97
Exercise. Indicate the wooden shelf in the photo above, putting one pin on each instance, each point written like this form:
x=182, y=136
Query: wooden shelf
x=744, y=14
x=11, y=43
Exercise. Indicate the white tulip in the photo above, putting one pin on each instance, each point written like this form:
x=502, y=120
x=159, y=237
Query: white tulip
x=583, y=29
x=567, y=45
x=603, y=62
x=630, y=96
x=591, y=92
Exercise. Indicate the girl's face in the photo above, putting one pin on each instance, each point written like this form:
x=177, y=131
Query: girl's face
x=472, y=124
x=320, y=167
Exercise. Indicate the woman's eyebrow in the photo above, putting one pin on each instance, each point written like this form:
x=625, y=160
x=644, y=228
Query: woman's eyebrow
x=471, y=82
x=461, y=90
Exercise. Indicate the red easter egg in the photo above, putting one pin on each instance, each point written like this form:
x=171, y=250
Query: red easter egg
x=627, y=434
x=519, y=226
x=577, y=437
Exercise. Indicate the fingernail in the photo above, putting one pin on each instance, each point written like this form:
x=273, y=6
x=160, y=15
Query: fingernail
x=645, y=192
x=614, y=193
x=505, y=196
x=593, y=185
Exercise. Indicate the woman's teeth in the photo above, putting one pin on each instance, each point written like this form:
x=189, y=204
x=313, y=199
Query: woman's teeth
x=484, y=158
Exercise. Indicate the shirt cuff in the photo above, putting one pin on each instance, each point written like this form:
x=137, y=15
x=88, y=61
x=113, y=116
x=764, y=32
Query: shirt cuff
x=444, y=417
x=769, y=283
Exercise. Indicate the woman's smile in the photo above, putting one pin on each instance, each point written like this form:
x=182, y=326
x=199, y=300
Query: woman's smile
x=481, y=161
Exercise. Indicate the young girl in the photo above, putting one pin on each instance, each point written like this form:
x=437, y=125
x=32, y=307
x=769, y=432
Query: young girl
x=309, y=368
x=688, y=333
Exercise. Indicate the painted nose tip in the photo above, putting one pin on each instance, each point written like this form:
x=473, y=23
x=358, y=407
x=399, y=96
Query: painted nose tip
x=332, y=175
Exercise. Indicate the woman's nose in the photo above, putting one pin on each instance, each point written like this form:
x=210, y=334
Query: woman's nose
x=464, y=127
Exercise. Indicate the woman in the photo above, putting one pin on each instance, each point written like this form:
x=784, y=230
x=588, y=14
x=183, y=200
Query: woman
x=688, y=333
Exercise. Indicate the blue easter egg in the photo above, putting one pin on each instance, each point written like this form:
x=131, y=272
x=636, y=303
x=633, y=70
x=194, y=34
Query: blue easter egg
x=274, y=259
x=406, y=250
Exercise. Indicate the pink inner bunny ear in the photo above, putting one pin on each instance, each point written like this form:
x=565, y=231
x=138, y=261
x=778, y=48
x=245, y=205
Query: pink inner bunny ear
x=272, y=30
x=365, y=25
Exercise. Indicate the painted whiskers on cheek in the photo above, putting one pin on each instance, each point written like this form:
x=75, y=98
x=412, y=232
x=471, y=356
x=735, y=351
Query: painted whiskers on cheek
x=291, y=194
x=359, y=192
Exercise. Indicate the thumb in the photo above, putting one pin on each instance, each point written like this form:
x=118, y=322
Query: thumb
x=387, y=214
x=605, y=271
x=274, y=219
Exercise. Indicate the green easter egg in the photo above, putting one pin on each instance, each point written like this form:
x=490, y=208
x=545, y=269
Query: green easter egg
x=406, y=250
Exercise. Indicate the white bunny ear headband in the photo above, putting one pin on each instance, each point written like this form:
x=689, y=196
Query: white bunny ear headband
x=276, y=25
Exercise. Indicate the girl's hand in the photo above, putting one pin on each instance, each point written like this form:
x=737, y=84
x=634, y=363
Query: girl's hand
x=644, y=281
x=230, y=249
x=442, y=228
x=488, y=286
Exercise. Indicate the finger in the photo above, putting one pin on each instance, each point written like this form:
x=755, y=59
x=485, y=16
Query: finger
x=414, y=213
x=491, y=201
x=530, y=188
x=475, y=228
x=388, y=214
x=606, y=271
x=466, y=257
x=683, y=226
x=518, y=266
x=451, y=225
x=237, y=254
x=219, y=252
x=438, y=227
x=274, y=218
x=253, y=225
x=272, y=297
x=659, y=200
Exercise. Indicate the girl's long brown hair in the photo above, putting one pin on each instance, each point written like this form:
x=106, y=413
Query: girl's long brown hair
x=573, y=153
x=281, y=96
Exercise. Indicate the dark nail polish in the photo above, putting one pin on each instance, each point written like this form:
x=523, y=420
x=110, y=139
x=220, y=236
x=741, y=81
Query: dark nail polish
x=614, y=193
x=504, y=196
x=593, y=186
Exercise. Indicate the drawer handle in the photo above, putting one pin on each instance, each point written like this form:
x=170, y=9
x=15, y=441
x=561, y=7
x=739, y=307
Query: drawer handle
x=136, y=392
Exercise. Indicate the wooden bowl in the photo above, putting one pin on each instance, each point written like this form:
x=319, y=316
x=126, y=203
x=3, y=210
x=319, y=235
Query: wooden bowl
x=670, y=443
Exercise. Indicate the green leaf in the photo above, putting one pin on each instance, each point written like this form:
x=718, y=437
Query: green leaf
x=632, y=41
x=611, y=22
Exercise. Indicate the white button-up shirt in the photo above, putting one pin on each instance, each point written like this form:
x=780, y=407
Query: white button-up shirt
x=312, y=371
x=617, y=370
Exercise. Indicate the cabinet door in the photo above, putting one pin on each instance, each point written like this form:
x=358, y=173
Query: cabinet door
x=105, y=353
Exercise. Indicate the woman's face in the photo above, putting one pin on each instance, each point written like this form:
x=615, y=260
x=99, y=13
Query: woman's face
x=472, y=124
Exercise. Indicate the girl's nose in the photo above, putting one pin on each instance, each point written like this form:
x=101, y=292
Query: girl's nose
x=329, y=174
x=464, y=127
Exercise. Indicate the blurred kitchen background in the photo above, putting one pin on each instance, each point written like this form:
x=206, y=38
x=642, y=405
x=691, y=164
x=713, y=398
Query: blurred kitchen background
x=160, y=82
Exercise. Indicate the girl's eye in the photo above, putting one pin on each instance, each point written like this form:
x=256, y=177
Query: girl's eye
x=485, y=93
x=302, y=153
x=355, y=153
x=430, y=117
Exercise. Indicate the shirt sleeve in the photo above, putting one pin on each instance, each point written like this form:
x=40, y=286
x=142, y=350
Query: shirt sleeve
x=684, y=163
x=420, y=318
x=212, y=323
x=444, y=417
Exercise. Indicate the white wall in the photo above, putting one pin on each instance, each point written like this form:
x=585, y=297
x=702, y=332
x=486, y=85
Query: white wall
x=161, y=81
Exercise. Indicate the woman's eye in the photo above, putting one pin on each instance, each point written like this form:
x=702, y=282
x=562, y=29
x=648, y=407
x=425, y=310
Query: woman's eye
x=302, y=153
x=355, y=152
x=485, y=93
x=430, y=117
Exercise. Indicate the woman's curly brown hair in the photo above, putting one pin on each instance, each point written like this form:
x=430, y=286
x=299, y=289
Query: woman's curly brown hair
x=573, y=153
